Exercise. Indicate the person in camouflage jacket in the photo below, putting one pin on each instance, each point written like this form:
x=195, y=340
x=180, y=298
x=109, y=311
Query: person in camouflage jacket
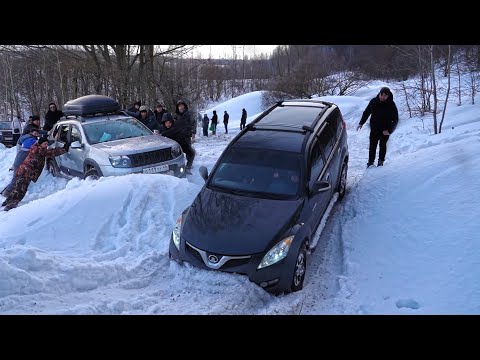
x=30, y=170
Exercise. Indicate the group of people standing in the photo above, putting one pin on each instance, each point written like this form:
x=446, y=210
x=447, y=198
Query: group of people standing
x=214, y=122
x=32, y=151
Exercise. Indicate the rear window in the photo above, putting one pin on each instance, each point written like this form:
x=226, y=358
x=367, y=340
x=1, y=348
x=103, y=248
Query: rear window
x=257, y=172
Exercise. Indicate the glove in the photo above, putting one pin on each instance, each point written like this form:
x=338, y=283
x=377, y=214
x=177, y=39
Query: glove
x=359, y=126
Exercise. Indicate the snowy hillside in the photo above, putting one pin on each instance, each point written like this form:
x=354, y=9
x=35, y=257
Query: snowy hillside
x=403, y=241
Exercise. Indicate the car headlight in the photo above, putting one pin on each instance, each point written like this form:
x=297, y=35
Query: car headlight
x=176, y=232
x=120, y=161
x=176, y=151
x=276, y=253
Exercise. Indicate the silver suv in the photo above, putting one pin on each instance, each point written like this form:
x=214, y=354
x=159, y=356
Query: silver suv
x=103, y=141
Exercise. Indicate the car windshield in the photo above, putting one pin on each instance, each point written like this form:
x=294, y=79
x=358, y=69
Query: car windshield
x=258, y=171
x=110, y=130
x=5, y=125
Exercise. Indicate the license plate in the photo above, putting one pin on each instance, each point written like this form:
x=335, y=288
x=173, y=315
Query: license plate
x=155, y=169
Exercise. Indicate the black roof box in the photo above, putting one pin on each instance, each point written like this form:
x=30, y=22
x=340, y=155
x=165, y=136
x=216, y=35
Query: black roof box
x=90, y=105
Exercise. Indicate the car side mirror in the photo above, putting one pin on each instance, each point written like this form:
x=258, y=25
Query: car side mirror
x=320, y=186
x=203, y=172
x=76, y=145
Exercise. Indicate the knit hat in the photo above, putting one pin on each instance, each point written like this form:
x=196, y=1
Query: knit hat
x=167, y=117
x=35, y=117
x=138, y=103
x=143, y=108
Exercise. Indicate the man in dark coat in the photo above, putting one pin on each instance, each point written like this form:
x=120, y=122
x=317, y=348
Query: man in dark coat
x=205, y=122
x=148, y=118
x=243, y=119
x=159, y=111
x=214, y=122
x=182, y=131
x=382, y=123
x=225, y=121
x=166, y=123
x=52, y=116
x=33, y=122
x=30, y=170
x=135, y=107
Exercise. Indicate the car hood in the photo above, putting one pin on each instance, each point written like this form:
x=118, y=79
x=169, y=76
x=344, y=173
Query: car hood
x=229, y=224
x=135, y=145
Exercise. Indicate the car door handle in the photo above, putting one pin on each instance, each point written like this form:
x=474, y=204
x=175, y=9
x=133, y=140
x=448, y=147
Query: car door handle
x=327, y=177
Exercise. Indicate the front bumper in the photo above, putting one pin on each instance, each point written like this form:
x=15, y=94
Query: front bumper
x=276, y=278
x=176, y=167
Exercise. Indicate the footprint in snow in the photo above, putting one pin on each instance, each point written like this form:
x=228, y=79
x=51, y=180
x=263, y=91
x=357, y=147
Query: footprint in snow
x=407, y=303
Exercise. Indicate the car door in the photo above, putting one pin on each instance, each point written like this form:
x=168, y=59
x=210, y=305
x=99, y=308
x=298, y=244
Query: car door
x=330, y=148
x=317, y=200
x=61, y=137
x=335, y=127
x=76, y=156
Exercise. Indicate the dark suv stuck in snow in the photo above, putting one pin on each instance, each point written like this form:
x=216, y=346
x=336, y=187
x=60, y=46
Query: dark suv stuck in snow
x=260, y=208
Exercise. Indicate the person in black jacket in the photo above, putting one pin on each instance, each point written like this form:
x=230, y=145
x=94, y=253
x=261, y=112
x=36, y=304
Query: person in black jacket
x=159, y=111
x=147, y=117
x=382, y=123
x=33, y=123
x=166, y=122
x=205, y=122
x=243, y=119
x=52, y=116
x=225, y=121
x=214, y=122
x=182, y=130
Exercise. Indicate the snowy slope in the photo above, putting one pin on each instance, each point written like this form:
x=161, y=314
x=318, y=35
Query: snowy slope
x=403, y=241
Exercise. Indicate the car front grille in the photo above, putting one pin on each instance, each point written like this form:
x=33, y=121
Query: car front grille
x=230, y=262
x=151, y=157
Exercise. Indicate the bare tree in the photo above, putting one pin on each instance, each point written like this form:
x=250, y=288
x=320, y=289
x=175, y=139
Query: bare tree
x=448, y=71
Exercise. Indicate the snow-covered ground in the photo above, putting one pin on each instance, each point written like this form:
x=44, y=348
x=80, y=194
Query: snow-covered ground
x=401, y=242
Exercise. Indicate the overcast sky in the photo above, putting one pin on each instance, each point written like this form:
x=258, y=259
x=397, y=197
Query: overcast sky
x=226, y=51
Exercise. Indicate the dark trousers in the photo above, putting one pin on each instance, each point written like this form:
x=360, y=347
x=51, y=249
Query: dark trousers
x=242, y=125
x=16, y=136
x=226, y=128
x=376, y=137
x=18, y=192
x=205, y=130
x=188, y=150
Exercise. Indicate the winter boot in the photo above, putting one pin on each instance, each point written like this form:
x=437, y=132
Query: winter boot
x=369, y=164
x=380, y=163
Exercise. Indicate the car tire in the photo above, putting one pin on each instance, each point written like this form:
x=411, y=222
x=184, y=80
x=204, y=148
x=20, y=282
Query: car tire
x=91, y=174
x=300, y=268
x=342, y=183
x=52, y=168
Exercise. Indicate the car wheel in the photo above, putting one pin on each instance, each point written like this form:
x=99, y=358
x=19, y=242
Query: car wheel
x=53, y=168
x=342, y=185
x=300, y=268
x=91, y=174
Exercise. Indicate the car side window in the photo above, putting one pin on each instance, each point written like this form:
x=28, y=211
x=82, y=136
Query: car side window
x=63, y=133
x=336, y=122
x=316, y=163
x=75, y=134
x=327, y=140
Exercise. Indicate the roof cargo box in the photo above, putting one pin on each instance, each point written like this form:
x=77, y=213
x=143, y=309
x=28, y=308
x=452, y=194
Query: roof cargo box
x=90, y=105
